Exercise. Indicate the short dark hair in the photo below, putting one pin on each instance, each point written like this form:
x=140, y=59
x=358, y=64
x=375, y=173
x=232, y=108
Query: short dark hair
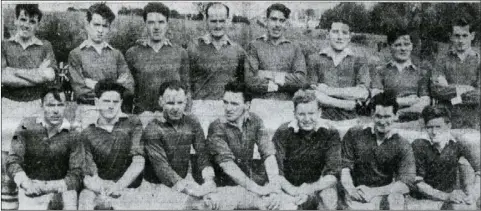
x=434, y=112
x=156, y=7
x=279, y=7
x=394, y=33
x=30, y=10
x=55, y=91
x=463, y=21
x=210, y=4
x=108, y=85
x=174, y=85
x=237, y=87
x=103, y=10
x=305, y=95
x=339, y=20
x=386, y=99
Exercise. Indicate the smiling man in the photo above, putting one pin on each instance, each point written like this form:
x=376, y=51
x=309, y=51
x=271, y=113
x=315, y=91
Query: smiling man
x=114, y=154
x=378, y=165
x=96, y=60
x=28, y=65
x=155, y=60
x=308, y=152
x=409, y=81
x=46, y=158
x=437, y=167
x=341, y=76
x=277, y=67
x=214, y=61
x=456, y=76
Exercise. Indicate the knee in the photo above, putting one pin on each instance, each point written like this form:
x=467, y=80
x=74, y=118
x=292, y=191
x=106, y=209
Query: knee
x=396, y=201
x=69, y=200
x=86, y=200
x=329, y=199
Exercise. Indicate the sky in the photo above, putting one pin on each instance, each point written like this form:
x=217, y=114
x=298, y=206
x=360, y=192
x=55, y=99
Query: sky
x=255, y=7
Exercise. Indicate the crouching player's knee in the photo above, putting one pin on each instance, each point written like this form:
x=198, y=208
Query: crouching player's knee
x=86, y=200
x=396, y=201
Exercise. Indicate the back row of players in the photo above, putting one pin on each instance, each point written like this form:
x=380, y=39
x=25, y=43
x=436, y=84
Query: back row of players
x=305, y=158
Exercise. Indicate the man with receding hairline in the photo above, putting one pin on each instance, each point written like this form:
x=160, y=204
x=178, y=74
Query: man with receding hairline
x=214, y=61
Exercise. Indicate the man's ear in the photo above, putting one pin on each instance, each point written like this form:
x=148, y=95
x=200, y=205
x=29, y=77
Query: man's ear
x=97, y=100
x=248, y=105
x=160, y=102
x=473, y=35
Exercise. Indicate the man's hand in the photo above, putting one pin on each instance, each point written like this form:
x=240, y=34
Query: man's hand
x=114, y=190
x=48, y=72
x=273, y=201
x=90, y=83
x=212, y=201
x=32, y=188
x=366, y=193
x=209, y=186
x=323, y=88
x=353, y=193
x=457, y=197
x=93, y=183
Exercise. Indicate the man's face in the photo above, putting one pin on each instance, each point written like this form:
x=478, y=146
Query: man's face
x=109, y=104
x=339, y=36
x=217, y=20
x=276, y=24
x=98, y=28
x=438, y=130
x=26, y=25
x=234, y=106
x=401, y=48
x=156, y=26
x=461, y=38
x=383, y=118
x=307, y=115
x=53, y=109
x=173, y=103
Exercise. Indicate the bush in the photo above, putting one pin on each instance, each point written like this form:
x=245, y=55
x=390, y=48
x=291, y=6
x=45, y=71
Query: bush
x=359, y=39
x=240, y=19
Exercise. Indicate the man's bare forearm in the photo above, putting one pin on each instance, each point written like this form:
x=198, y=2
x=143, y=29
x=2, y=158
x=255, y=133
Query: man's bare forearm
x=348, y=93
x=418, y=106
x=407, y=101
x=396, y=187
x=337, y=103
x=323, y=183
x=431, y=192
x=234, y=172
x=346, y=178
x=134, y=170
x=34, y=75
x=272, y=169
x=14, y=81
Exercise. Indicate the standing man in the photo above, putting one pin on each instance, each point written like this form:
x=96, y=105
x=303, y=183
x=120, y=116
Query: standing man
x=46, y=158
x=230, y=141
x=28, y=65
x=114, y=154
x=277, y=65
x=167, y=142
x=341, y=76
x=437, y=167
x=309, y=154
x=456, y=77
x=374, y=155
x=96, y=60
x=214, y=61
x=407, y=80
x=155, y=60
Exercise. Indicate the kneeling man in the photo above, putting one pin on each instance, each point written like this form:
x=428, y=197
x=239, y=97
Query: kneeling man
x=309, y=154
x=46, y=158
x=378, y=164
x=437, y=166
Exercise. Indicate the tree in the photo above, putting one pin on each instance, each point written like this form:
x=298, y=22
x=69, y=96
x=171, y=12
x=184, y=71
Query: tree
x=174, y=14
x=71, y=9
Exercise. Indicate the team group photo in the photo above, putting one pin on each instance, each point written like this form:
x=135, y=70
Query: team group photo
x=165, y=105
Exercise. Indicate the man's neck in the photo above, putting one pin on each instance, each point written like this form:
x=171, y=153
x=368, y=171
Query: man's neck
x=380, y=136
x=462, y=54
x=52, y=129
x=102, y=121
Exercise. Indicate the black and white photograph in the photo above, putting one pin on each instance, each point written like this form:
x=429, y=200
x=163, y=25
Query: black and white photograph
x=240, y=105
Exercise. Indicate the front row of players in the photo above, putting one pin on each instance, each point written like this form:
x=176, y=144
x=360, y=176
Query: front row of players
x=307, y=166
